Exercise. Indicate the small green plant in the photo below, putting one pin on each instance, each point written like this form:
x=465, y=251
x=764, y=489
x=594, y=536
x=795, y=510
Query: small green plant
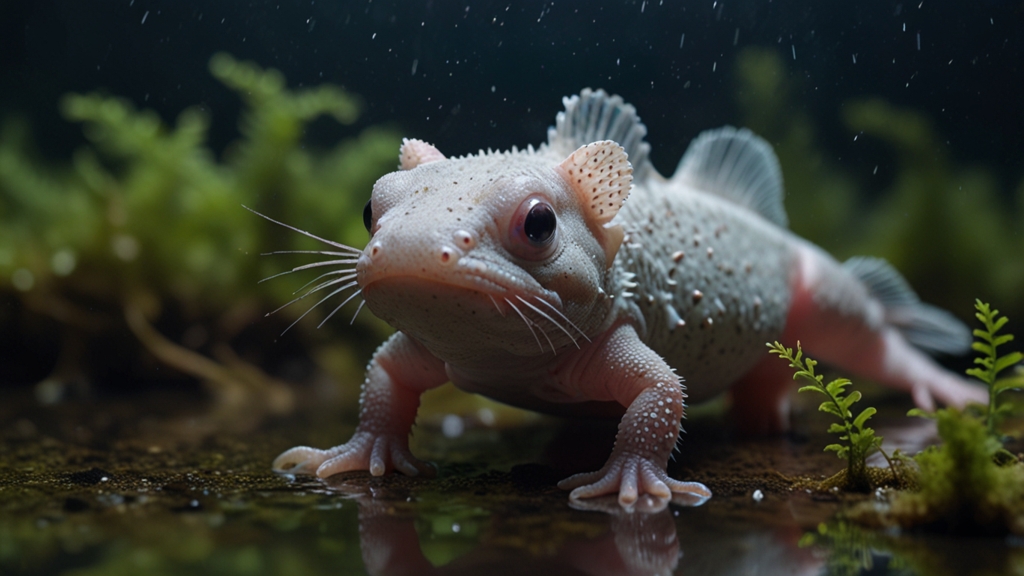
x=987, y=342
x=857, y=441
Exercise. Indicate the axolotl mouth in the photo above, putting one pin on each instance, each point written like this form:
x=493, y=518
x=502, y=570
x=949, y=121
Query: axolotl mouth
x=443, y=315
x=473, y=303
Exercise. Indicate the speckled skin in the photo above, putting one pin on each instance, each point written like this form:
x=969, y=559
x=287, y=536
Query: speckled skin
x=713, y=282
x=685, y=278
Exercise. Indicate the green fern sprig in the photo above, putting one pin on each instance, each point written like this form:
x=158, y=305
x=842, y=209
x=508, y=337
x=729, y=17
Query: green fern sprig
x=987, y=342
x=857, y=440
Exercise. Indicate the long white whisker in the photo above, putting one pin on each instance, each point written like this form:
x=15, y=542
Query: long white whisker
x=352, y=274
x=549, y=319
x=324, y=252
x=322, y=300
x=338, y=307
x=324, y=263
x=304, y=233
x=562, y=316
x=316, y=289
x=498, y=308
x=305, y=266
x=358, y=310
x=539, y=345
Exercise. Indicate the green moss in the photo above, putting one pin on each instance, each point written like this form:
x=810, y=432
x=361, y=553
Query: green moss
x=969, y=484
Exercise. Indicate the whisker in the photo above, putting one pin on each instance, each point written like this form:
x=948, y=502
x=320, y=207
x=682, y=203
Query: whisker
x=322, y=300
x=324, y=252
x=300, y=268
x=498, y=308
x=318, y=288
x=541, y=346
x=323, y=263
x=304, y=233
x=338, y=307
x=358, y=310
x=562, y=316
x=549, y=319
x=352, y=274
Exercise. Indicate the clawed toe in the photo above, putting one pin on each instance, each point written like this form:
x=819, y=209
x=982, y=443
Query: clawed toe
x=631, y=477
x=299, y=460
x=364, y=451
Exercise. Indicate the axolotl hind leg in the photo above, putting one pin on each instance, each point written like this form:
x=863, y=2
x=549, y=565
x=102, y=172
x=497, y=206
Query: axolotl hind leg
x=400, y=371
x=862, y=317
x=619, y=367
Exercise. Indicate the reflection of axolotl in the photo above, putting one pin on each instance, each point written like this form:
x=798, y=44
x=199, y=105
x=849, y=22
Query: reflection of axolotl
x=527, y=276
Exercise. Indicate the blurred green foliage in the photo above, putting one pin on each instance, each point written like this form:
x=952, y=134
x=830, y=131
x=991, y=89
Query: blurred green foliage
x=947, y=228
x=147, y=216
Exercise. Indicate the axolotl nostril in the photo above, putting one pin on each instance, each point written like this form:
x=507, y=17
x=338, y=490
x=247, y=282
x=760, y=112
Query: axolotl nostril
x=574, y=279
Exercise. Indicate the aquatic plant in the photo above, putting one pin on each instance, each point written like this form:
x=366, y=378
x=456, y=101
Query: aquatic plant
x=857, y=441
x=145, y=228
x=992, y=364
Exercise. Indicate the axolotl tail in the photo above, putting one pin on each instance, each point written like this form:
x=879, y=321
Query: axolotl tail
x=862, y=317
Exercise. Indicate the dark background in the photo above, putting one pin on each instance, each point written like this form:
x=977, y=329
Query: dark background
x=478, y=74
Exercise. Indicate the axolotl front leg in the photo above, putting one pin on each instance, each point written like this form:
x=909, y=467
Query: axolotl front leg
x=619, y=367
x=400, y=371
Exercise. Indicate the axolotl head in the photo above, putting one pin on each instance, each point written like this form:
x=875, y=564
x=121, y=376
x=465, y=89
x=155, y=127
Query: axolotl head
x=499, y=251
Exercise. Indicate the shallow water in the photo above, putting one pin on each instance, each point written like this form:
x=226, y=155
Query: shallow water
x=110, y=488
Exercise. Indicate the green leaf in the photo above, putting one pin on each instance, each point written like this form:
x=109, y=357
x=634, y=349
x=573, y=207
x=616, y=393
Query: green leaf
x=998, y=325
x=863, y=417
x=982, y=346
x=1005, y=408
x=811, y=389
x=836, y=386
x=849, y=400
x=921, y=413
x=1000, y=340
x=836, y=428
x=980, y=374
x=841, y=451
x=1007, y=361
x=831, y=409
x=806, y=540
x=1011, y=383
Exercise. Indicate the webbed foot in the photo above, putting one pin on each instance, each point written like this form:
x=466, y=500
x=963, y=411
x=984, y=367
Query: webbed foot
x=630, y=475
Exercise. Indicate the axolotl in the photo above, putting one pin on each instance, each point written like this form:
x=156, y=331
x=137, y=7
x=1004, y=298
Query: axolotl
x=574, y=279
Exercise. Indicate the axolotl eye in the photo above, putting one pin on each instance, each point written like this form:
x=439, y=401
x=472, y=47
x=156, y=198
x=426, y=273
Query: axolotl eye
x=533, y=231
x=368, y=215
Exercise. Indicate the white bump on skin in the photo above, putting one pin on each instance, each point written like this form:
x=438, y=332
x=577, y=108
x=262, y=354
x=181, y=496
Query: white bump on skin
x=464, y=240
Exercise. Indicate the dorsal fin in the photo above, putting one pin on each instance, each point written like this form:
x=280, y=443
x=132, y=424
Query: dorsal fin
x=738, y=165
x=924, y=326
x=593, y=116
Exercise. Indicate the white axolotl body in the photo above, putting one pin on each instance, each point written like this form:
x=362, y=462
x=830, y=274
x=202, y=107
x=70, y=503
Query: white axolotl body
x=529, y=277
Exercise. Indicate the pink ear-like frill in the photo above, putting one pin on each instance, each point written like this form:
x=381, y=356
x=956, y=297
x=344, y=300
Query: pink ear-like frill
x=601, y=176
x=416, y=152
